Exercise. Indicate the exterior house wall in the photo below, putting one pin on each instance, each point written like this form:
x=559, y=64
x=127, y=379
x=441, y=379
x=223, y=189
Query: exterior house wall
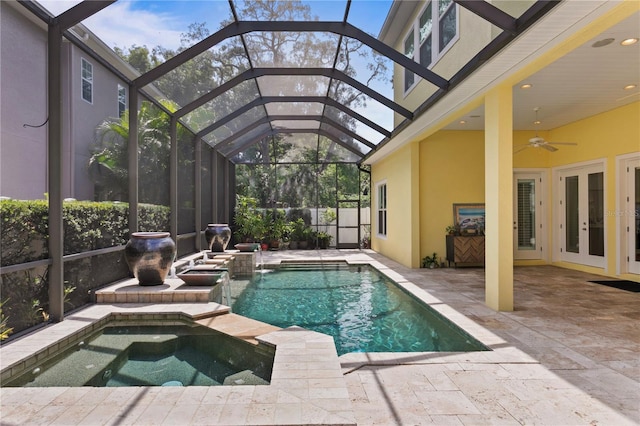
x=23, y=84
x=473, y=34
x=603, y=136
x=452, y=171
x=24, y=101
x=400, y=173
x=83, y=117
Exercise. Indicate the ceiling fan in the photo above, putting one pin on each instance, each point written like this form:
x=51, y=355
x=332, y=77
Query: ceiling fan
x=539, y=142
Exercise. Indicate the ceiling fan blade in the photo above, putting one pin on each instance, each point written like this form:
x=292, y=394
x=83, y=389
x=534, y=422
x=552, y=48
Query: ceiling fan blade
x=549, y=147
x=521, y=148
x=562, y=143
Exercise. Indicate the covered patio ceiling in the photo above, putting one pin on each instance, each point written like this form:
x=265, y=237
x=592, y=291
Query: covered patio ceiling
x=308, y=78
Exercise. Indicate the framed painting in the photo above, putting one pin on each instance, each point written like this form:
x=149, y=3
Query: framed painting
x=469, y=218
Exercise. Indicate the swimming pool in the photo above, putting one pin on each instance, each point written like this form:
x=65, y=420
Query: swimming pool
x=360, y=308
x=171, y=355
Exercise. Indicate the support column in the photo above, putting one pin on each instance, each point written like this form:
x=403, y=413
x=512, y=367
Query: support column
x=132, y=152
x=499, y=198
x=56, y=165
x=198, y=188
x=173, y=178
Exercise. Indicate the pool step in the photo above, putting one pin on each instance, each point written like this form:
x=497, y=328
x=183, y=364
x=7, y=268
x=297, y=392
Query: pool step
x=238, y=326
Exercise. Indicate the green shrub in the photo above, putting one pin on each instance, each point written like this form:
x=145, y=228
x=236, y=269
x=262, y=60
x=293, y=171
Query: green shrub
x=87, y=226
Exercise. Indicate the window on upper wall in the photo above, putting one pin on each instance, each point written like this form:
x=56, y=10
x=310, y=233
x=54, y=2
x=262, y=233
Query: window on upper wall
x=409, y=77
x=382, y=209
x=432, y=40
x=87, y=80
x=122, y=100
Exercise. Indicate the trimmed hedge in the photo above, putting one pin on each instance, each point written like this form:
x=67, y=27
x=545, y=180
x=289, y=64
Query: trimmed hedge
x=87, y=226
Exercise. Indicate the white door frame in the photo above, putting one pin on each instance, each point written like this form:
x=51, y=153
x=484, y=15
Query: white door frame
x=559, y=211
x=542, y=212
x=625, y=214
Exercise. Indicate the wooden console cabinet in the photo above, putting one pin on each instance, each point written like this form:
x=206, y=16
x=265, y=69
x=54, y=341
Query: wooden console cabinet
x=465, y=250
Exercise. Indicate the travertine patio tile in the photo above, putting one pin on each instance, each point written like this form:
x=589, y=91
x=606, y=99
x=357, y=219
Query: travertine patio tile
x=208, y=414
x=320, y=393
x=216, y=395
x=192, y=395
x=180, y=414
x=22, y=415
x=234, y=414
x=290, y=413
x=71, y=396
x=446, y=402
x=240, y=395
x=73, y=415
x=261, y=413
x=154, y=414
x=485, y=420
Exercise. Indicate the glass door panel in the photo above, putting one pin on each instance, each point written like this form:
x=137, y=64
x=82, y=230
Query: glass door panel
x=527, y=222
x=636, y=214
x=526, y=200
x=596, y=214
x=581, y=217
x=631, y=222
x=572, y=213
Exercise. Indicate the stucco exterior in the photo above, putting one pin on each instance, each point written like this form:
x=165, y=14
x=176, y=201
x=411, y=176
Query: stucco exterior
x=23, y=85
x=458, y=166
x=24, y=101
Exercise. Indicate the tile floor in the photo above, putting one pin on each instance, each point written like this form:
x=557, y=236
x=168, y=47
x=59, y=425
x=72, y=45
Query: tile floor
x=569, y=354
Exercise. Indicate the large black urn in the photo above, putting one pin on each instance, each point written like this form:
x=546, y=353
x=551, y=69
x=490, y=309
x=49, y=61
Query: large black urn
x=150, y=256
x=218, y=236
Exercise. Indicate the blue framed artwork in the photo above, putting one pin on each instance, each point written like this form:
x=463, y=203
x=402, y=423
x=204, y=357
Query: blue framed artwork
x=469, y=218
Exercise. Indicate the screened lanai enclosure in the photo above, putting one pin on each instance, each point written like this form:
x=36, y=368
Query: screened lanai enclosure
x=172, y=120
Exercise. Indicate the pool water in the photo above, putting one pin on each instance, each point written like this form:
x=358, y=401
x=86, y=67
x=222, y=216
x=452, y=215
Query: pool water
x=362, y=309
x=154, y=356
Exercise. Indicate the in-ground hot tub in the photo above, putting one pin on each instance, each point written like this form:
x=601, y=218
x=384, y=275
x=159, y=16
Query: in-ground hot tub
x=158, y=355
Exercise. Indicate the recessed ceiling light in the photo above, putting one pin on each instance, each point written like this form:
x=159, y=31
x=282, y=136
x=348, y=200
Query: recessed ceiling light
x=537, y=122
x=630, y=86
x=526, y=86
x=603, y=42
x=629, y=41
x=462, y=122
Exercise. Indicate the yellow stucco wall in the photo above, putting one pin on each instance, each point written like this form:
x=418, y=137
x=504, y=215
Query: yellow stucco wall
x=451, y=171
x=449, y=168
x=603, y=136
x=400, y=172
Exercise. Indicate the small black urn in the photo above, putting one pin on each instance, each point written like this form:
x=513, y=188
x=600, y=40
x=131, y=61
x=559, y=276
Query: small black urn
x=150, y=256
x=218, y=236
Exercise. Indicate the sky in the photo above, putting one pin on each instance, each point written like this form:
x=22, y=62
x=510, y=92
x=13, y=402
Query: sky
x=144, y=22
x=153, y=23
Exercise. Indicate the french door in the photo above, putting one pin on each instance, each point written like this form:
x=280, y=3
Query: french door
x=528, y=234
x=581, y=215
x=632, y=214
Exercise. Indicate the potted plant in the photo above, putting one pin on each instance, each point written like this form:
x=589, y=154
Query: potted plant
x=430, y=261
x=324, y=239
x=275, y=228
x=250, y=221
x=452, y=230
x=297, y=233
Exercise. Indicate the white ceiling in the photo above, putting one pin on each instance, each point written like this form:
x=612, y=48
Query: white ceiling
x=583, y=83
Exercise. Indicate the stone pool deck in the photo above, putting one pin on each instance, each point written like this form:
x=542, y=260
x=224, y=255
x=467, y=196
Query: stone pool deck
x=569, y=354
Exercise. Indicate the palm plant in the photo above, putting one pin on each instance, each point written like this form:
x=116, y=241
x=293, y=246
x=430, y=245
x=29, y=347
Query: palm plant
x=108, y=166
